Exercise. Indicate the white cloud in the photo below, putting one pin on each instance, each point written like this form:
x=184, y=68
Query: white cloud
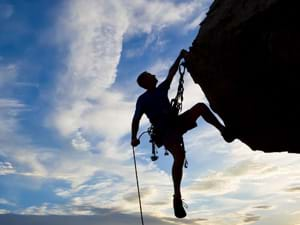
x=95, y=30
x=194, y=24
x=9, y=112
x=6, y=168
x=160, y=68
x=146, y=16
x=5, y=202
x=8, y=73
x=10, y=103
x=80, y=143
x=4, y=211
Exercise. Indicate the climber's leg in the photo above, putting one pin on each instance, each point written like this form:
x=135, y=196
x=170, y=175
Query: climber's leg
x=178, y=153
x=200, y=109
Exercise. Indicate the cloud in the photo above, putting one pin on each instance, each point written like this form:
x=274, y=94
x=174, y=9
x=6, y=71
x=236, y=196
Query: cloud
x=6, y=168
x=132, y=197
x=214, y=184
x=8, y=73
x=95, y=31
x=230, y=179
x=160, y=68
x=3, y=211
x=250, y=218
x=10, y=110
x=147, y=16
x=293, y=189
x=263, y=207
x=80, y=143
x=5, y=202
x=10, y=104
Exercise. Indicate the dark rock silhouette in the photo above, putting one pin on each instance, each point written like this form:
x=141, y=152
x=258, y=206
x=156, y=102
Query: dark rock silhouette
x=246, y=58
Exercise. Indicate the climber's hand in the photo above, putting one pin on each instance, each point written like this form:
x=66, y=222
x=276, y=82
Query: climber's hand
x=135, y=142
x=184, y=53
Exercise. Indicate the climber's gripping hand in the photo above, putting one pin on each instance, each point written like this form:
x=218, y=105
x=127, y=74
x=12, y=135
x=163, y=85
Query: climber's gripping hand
x=184, y=54
x=135, y=142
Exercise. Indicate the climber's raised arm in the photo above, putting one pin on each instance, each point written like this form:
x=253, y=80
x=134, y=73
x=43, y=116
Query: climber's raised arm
x=173, y=69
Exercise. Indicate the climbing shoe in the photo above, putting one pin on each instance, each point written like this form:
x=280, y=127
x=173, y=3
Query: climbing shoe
x=228, y=135
x=178, y=207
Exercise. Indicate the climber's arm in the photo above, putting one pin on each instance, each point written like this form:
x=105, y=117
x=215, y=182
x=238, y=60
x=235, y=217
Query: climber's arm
x=173, y=69
x=134, y=130
x=136, y=123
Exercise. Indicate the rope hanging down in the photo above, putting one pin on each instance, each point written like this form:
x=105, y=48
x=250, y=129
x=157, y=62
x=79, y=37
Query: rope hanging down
x=138, y=186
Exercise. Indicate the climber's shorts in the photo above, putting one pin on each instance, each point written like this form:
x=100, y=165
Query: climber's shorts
x=171, y=133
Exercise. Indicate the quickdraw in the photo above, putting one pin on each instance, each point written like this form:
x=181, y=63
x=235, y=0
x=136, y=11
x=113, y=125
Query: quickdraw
x=176, y=102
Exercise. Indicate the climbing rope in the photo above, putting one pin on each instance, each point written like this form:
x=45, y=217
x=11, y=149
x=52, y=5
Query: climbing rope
x=138, y=186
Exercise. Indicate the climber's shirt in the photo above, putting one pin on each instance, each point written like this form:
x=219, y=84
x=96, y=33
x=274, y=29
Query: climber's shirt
x=156, y=105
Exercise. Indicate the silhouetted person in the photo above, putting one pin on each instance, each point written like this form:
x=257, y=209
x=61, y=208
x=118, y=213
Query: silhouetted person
x=169, y=128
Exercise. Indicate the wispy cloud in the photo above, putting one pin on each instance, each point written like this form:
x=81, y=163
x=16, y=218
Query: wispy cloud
x=6, y=168
x=5, y=202
x=8, y=73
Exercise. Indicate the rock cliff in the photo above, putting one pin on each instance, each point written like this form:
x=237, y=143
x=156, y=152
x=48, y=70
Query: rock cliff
x=246, y=58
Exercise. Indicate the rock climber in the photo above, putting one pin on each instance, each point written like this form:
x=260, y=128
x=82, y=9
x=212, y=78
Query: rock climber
x=168, y=127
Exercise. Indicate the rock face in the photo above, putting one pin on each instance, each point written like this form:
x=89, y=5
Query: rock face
x=246, y=58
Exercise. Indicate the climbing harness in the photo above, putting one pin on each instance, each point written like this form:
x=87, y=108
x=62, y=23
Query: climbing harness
x=151, y=134
x=138, y=186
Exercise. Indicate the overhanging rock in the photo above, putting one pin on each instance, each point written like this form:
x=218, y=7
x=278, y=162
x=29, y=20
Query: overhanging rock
x=246, y=58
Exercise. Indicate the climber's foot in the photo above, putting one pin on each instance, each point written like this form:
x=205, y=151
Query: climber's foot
x=178, y=207
x=228, y=135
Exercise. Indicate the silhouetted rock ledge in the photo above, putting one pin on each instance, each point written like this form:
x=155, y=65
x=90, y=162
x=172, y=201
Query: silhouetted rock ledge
x=246, y=60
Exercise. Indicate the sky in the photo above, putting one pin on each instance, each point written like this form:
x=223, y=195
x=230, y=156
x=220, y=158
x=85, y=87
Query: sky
x=68, y=90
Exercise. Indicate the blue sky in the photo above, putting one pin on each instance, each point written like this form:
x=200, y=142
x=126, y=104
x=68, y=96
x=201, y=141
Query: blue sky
x=67, y=80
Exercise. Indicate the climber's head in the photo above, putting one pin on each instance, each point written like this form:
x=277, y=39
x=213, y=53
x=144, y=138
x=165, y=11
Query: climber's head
x=147, y=80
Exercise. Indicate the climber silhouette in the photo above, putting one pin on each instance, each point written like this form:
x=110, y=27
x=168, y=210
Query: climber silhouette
x=169, y=128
